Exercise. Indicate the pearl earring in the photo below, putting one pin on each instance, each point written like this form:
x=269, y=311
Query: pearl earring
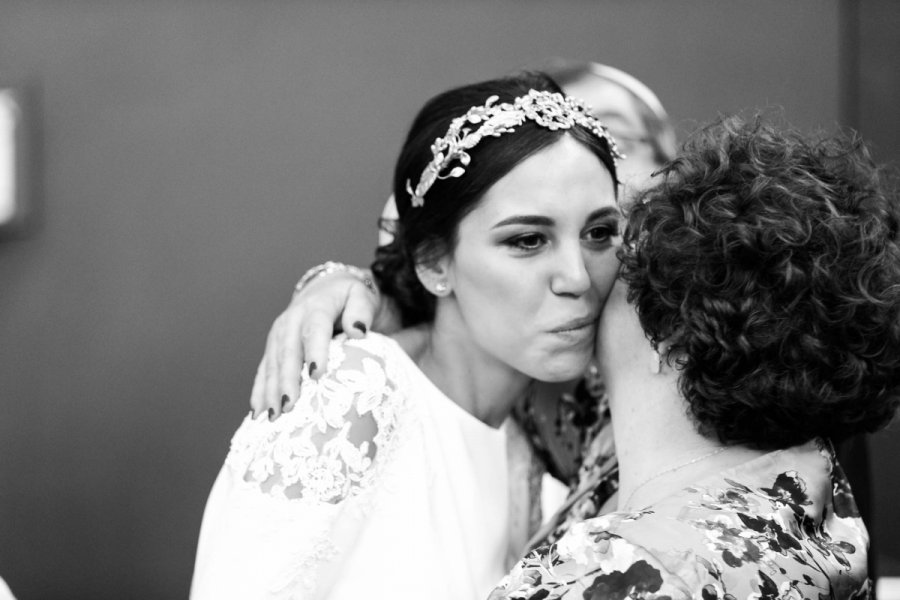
x=440, y=288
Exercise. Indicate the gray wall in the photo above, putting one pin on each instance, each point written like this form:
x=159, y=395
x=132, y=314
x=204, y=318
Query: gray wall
x=197, y=156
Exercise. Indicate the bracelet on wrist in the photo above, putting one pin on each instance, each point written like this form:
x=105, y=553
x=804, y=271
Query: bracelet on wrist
x=329, y=267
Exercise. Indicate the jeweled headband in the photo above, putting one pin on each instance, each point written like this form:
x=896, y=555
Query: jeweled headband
x=548, y=109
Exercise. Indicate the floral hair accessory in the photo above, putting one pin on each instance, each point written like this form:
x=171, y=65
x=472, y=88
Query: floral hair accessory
x=548, y=109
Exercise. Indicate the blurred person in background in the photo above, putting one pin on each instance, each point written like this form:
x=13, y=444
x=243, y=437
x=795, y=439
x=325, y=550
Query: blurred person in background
x=632, y=112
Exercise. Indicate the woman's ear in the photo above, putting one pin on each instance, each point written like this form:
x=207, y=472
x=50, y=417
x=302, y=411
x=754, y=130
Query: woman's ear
x=435, y=275
x=662, y=358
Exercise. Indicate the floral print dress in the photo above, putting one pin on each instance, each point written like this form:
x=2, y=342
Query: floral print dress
x=783, y=525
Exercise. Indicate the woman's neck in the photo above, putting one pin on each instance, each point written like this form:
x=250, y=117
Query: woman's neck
x=477, y=382
x=657, y=443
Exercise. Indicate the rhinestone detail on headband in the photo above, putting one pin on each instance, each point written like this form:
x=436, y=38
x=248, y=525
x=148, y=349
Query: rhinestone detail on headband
x=548, y=109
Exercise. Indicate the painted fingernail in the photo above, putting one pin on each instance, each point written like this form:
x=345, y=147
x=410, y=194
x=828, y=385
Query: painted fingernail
x=312, y=368
x=271, y=414
x=359, y=325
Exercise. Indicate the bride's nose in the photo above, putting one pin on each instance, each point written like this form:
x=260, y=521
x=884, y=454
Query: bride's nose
x=570, y=276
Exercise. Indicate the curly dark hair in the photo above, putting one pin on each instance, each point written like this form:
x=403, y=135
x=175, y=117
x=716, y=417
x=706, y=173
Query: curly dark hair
x=768, y=264
x=426, y=233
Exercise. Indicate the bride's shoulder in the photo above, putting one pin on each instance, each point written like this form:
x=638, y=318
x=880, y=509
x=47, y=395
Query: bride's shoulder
x=344, y=424
x=346, y=352
x=375, y=361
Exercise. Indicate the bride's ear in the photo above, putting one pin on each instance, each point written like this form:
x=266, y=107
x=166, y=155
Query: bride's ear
x=435, y=275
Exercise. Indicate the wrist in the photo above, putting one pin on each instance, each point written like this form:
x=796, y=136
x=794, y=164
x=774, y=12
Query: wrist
x=330, y=267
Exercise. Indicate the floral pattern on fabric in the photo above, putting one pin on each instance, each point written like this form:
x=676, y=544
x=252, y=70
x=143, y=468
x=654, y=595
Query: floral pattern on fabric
x=562, y=426
x=293, y=495
x=581, y=420
x=780, y=527
x=324, y=449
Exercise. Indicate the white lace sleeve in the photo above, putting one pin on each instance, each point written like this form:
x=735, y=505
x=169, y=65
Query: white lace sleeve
x=300, y=485
x=324, y=449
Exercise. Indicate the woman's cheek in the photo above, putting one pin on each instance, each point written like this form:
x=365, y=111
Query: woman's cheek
x=603, y=274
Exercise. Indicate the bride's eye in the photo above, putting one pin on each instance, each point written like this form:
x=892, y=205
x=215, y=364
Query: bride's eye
x=527, y=242
x=602, y=233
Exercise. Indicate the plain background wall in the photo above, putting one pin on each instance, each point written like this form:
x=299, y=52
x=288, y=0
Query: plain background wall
x=196, y=156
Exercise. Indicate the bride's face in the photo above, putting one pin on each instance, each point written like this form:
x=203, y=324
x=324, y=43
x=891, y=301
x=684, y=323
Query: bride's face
x=534, y=261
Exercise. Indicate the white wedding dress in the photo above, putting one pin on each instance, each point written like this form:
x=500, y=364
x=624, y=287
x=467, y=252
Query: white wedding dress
x=375, y=485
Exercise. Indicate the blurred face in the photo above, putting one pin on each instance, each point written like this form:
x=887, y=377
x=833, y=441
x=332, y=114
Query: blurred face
x=616, y=108
x=534, y=261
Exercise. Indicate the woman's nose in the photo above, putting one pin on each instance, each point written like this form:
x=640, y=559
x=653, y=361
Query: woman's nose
x=570, y=276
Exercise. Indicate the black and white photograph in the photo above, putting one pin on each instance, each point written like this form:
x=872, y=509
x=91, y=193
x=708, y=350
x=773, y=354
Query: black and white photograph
x=456, y=300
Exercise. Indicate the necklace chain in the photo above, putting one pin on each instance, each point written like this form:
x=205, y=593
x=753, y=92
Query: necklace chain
x=670, y=470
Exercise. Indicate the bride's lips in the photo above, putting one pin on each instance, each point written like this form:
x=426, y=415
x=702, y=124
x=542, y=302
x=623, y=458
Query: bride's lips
x=575, y=325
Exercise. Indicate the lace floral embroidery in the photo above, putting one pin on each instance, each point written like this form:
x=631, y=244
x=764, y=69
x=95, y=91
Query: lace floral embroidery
x=324, y=449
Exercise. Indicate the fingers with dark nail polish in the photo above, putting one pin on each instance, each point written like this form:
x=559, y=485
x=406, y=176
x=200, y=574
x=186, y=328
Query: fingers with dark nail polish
x=359, y=325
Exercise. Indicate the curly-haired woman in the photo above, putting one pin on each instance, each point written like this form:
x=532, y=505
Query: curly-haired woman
x=757, y=319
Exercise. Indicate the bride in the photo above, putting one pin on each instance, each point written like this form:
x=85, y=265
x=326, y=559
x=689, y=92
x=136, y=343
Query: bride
x=391, y=469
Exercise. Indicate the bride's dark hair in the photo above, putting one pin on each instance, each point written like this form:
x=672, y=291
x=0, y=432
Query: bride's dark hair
x=424, y=234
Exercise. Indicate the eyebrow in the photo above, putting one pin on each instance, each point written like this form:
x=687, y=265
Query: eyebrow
x=547, y=221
